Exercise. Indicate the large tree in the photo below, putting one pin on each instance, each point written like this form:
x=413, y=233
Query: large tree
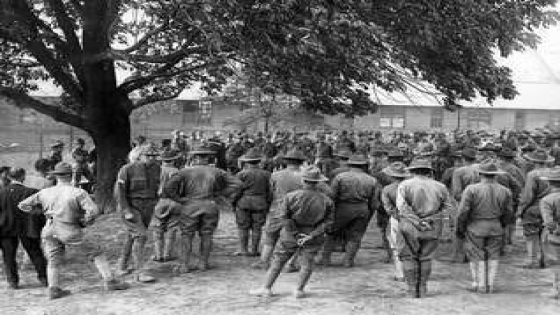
x=329, y=54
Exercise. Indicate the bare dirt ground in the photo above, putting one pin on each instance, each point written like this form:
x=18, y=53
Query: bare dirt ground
x=365, y=289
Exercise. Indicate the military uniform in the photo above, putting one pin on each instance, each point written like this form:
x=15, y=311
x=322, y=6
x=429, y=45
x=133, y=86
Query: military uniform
x=252, y=205
x=421, y=202
x=550, y=211
x=484, y=213
x=357, y=197
x=137, y=195
x=199, y=190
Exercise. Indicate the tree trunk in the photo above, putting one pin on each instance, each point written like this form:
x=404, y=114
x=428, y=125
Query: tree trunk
x=112, y=142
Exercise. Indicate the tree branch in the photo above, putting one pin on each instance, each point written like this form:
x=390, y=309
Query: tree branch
x=145, y=38
x=22, y=100
x=154, y=98
x=73, y=44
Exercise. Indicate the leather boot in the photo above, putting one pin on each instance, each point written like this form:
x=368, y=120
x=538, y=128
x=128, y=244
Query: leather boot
x=185, y=254
x=255, y=242
x=122, y=264
x=492, y=271
x=411, y=278
x=109, y=282
x=483, y=276
x=57, y=293
x=425, y=272
x=243, y=243
x=351, y=251
x=205, y=249
x=138, y=252
x=169, y=246
x=474, y=273
x=158, y=246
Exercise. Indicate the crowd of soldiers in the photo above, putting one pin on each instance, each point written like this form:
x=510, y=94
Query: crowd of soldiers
x=298, y=198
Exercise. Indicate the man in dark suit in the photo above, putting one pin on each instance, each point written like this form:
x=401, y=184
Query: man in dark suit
x=16, y=226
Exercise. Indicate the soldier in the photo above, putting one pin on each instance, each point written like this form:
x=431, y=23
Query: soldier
x=81, y=156
x=306, y=214
x=281, y=182
x=17, y=226
x=462, y=177
x=165, y=223
x=252, y=202
x=68, y=210
x=484, y=213
x=421, y=203
x=55, y=155
x=550, y=211
x=199, y=190
x=136, y=193
x=528, y=209
x=356, y=196
x=397, y=172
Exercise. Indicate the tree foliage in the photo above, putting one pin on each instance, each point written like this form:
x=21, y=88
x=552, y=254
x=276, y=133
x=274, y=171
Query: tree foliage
x=327, y=53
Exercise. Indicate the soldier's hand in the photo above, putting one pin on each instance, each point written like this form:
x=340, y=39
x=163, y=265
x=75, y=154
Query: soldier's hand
x=303, y=238
x=128, y=215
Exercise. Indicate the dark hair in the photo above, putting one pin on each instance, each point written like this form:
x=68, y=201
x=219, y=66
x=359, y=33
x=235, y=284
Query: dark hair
x=4, y=169
x=422, y=171
x=17, y=173
x=42, y=165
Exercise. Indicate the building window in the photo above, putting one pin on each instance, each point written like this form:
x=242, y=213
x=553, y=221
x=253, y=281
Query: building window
x=436, y=120
x=519, y=123
x=204, y=112
x=392, y=117
x=479, y=119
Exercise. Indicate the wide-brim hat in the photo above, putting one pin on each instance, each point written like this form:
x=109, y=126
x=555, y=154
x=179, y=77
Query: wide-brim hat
x=313, y=174
x=61, y=169
x=552, y=176
x=202, y=149
x=489, y=147
x=357, y=159
x=469, y=153
x=150, y=149
x=57, y=144
x=489, y=169
x=507, y=152
x=251, y=155
x=420, y=163
x=539, y=156
x=396, y=169
x=170, y=155
x=295, y=154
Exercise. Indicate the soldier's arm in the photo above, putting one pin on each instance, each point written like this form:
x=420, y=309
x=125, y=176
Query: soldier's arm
x=465, y=208
x=328, y=221
x=90, y=208
x=121, y=188
x=232, y=185
x=374, y=201
x=456, y=185
x=406, y=210
x=547, y=213
x=388, y=204
x=31, y=203
x=508, y=215
x=527, y=195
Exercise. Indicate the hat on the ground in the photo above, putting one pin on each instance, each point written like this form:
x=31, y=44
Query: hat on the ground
x=539, y=156
x=252, y=155
x=507, y=152
x=396, y=169
x=62, y=169
x=150, y=149
x=469, y=153
x=313, y=174
x=357, y=159
x=57, y=144
x=295, y=154
x=553, y=175
x=170, y=155
x=202, y=149
x=489, y=169
x=420, y=163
